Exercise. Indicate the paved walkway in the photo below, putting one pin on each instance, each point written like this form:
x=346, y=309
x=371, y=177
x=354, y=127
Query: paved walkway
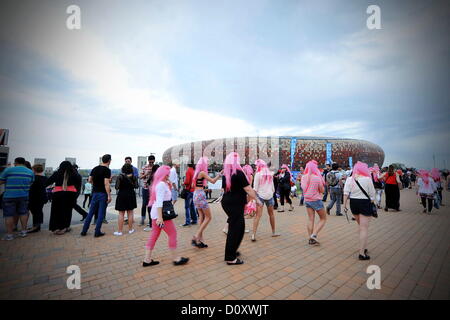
x=411, y=248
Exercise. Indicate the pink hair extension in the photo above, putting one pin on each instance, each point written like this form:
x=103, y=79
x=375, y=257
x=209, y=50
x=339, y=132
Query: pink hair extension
x=266, y=175
x=425, y=175
x=376, y=171
x=230, y=167
x=160, y=175
x=362, y=169
x=202, y=165
x=435, y=174
x=310, y=169
x=248, y=170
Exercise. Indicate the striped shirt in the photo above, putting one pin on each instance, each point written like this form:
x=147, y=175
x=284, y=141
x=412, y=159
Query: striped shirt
x=311, y=191
x=17, y=182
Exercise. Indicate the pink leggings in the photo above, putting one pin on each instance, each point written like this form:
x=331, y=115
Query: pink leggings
x=169, y=228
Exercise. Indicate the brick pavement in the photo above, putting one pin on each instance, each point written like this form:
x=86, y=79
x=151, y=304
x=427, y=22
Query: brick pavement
x=411, y=248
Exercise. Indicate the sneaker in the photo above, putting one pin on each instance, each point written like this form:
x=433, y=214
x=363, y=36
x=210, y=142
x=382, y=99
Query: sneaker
x=8, y=237
x=185, y=225
x=131, y=231
x=147, y=229
x=101, y=234
x=118, y=233
x=105, y=221
x=314, y=237
x=22, y=234
x=276, y=234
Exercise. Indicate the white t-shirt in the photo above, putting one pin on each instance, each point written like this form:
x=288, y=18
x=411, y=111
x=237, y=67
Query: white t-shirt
x=173, y=176
x=162, y=194
x=426, y=189
x=352, y=189
x=265, y=191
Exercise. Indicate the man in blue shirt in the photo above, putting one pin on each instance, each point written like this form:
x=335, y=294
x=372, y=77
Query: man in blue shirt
x=17, y=180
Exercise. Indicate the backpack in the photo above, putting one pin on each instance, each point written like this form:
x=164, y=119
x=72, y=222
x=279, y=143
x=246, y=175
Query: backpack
x=332, y=179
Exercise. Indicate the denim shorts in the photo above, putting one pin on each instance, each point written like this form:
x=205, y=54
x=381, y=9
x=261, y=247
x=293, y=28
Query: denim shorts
x=316, y=205
x=15, y=207
x=174, y=195
x=268, y=203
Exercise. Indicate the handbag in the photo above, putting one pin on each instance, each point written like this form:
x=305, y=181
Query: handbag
x=168, y=212
x=374, y=207
x=184, y=193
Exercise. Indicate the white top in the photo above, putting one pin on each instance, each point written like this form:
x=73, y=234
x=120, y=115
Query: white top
x=87, y=188
x=173, y=176
x=162, y=194
x=426, y=189
x=352, y=189
x=265, y=191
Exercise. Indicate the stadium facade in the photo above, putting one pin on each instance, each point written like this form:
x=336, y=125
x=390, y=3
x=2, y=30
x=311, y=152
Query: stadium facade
x=295, y=151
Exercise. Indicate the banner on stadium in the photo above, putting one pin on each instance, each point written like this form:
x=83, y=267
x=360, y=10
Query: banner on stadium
x=329, y=152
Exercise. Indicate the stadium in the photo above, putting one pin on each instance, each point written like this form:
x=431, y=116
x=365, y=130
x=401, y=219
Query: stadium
x=295, y=151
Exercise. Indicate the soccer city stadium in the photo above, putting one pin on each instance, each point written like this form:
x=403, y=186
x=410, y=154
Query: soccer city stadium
x=295, y=151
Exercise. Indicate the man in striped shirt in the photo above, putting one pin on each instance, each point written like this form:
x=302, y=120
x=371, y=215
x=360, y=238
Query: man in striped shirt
x=17, y=180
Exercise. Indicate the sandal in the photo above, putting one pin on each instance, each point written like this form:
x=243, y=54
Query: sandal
x=181, y=261
x=238, y=261
x=363, y=257
x=202, y=245
x=253, y=238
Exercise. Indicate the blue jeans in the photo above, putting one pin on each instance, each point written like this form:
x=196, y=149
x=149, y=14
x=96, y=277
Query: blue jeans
x=336, y=196
x=191, y=213
x=98, y=205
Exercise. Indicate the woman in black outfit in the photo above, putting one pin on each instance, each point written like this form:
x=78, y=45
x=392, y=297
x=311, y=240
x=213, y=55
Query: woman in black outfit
x=236, y=188
x=67, y=183
x=126, y=197
x=38, y=197
x=285, y=187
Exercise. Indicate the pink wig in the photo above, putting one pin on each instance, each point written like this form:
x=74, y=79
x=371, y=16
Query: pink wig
x=376, y=171
x=160, y=175
x=266, y=175
x=202, y=165
x=435, y=174
x=285, y=166
x=361, y=169
x=425, y=175
x=311, y=169
x=230, y=167
x=248, y=170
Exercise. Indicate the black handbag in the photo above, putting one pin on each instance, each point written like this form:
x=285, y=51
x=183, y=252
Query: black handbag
x=373, y=206
x=168, y=212
x=184, y=194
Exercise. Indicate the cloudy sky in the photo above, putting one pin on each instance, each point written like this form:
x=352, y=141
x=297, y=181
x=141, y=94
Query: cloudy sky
x=141, y=76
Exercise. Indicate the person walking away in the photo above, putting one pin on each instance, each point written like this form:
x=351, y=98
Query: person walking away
x=436, y=176
x=377, y=183
x=17, y=180
x=325, y=174
x=313, y=187
x=87, y=194
x=67, y=185
x=334, y=182
x=174, y=180
x=126, y=198
x=359, y=188
x=38, y=198
x=100, y=178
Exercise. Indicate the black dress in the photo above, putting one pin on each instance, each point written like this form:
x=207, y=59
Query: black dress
x=126, y=197
x=63, y=201
x=37, y=199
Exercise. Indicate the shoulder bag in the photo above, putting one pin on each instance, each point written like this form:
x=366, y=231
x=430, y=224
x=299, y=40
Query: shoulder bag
x=373, y=206
x=168, y=212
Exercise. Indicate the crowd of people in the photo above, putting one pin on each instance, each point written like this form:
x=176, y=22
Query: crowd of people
x=245, y=192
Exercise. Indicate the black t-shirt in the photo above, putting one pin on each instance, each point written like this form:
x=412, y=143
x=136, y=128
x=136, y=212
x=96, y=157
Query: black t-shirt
x=99, y=174
x=38, y=193
x=237, y=194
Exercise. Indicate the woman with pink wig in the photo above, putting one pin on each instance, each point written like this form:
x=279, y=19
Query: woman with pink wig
x=391, y=188
x=264, y=189
x=375, y=174
x=236, y=188
x=313, y=186
x=284, y=187
x=160, y=192
x=426, y=188
x=359, y=188
x=200, y=181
